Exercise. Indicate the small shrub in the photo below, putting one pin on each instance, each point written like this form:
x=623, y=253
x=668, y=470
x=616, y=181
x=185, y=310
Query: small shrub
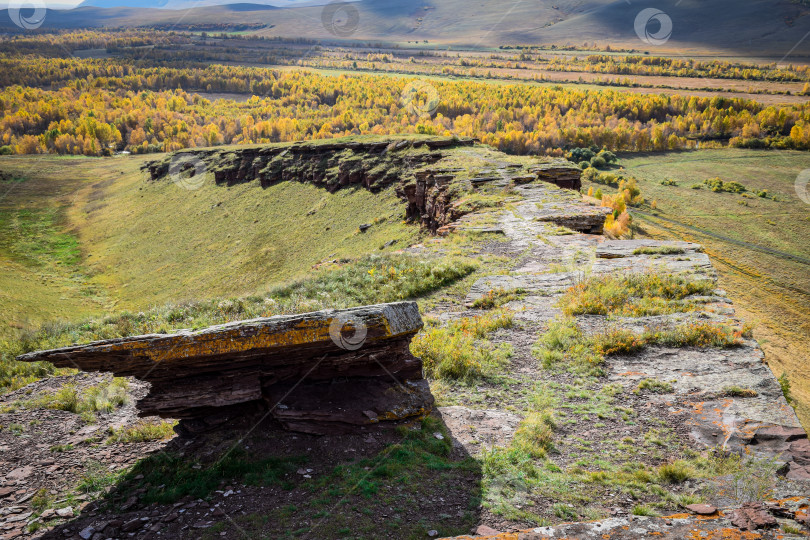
x=700, y=334
x=754, y=481
x=598, y=162
x=669, y=182
x=617, y=341
x=460, y=350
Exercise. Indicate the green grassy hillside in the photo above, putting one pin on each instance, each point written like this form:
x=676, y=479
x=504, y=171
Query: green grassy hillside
x=83, y=236
x=758, y=244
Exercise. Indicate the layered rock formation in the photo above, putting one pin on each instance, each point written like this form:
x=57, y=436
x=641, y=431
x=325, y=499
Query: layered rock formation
x=559, y=172
x=418, y=168
x=322, y=372
x=371, y=164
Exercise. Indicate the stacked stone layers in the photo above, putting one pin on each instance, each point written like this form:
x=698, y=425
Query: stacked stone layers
x=321, y=372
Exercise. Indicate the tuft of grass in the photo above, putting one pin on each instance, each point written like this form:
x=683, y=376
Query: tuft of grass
x=103, y=397
x=61, y=448
x=633, y=295
x=495, y=298
x=142, y=431
x=42, y=500
x=617, y=341
x=643, y=510
x=676, y=472
x=534, y=435
x=784, y=383
x=460, y=349
x=96, y=477
x=659, y=250
x=655, y=386
x=564, y=343
x=738, y=391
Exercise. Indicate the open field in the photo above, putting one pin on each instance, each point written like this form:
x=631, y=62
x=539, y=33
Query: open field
x=758, y=244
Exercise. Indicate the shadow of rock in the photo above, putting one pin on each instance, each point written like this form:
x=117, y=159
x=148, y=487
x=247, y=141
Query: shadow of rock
x=265, y=482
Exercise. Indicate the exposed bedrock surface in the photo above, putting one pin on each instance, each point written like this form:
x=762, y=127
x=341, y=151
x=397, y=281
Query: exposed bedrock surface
x=321, y=372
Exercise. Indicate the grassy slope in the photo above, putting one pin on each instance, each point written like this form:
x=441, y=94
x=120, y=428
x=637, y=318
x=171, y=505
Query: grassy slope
x=770, y=290
x=147, y=243
x=42, y=275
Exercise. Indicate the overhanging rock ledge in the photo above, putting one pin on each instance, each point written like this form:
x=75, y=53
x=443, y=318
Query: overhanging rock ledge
x=323, y=372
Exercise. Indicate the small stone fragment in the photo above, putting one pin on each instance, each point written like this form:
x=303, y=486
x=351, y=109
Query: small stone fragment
x=483, y=530
x=702, y=509
x=65, y=512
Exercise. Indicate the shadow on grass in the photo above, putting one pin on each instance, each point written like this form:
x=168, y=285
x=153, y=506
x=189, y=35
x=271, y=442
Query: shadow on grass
x=383, y=483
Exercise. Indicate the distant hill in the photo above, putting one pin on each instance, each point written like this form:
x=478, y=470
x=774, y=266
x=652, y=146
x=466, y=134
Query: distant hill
x=762, y=27
x=186, y=4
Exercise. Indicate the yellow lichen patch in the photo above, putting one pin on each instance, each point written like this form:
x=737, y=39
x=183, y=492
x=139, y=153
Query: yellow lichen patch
x=228, y=342
x=723, y=534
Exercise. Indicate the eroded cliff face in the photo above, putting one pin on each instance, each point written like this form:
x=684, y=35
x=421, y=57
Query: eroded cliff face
x=425, y=172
